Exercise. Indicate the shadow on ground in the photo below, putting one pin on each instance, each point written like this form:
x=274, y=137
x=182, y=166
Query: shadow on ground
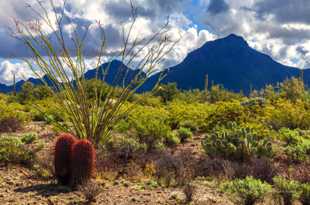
x=44, y=190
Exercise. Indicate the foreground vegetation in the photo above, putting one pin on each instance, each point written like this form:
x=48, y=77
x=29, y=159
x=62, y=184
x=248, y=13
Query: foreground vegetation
x=251, y=146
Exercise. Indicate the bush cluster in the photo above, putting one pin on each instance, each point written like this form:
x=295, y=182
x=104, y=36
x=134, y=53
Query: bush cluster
x=237, y=143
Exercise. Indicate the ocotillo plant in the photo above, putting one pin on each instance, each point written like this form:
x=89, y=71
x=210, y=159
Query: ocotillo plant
x=83, y=164
x=62, y=60
x=62, y=157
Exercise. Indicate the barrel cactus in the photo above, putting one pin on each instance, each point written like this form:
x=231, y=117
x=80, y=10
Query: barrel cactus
x=83, y=162
x=62, y=157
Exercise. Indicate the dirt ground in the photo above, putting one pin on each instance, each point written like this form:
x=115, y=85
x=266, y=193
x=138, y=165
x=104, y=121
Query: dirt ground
x=21, y=186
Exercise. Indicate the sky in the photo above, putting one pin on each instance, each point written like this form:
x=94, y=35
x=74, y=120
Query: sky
x=279, y=28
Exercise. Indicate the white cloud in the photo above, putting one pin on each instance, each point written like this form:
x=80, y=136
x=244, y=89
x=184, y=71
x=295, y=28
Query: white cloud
x=8, y=69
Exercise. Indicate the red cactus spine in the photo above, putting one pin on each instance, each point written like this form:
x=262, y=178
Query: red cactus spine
x=83, y=162
x=62, y=157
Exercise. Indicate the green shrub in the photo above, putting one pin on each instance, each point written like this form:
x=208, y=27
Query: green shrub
x=305, y=194
x=14, y=150
x=287, y=114
x=297, y=147
x=151, y=126
x=125, y=147
x=217, y=93
x=13, y=115
x=225, y=113
x=193, y=116
x=290, y=190
x=237, y=142
x=184, y=134
x=298, y=152
x=29, y=138
x=122, y=126
x=172, y=139
x=290, y=136
x=48, y=110
x=250, y=190
x=167, y=92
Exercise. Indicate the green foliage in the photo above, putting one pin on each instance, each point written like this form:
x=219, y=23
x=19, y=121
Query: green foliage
x=49, y=110
x=184, y=134
x=191, y=96
x=193, y=116
x=13, y=110
x=125, y=146
x=89, y=115
x=29, y=138
x=299, y=152
x=122, y=126
x=96, y=88
x=305, y=194
x=167, y=92
x=225, y=113
x=217, y=93
x=297, y=146
x=172, y=139
x=237, y=142
x=14, y=150
x=250, y=190
x=29, y=92
x=284, y=113
x=290, y=136
x=269, y=93
x=292, y=89
x=147, y=99
x=150, y=125
x=290, y=190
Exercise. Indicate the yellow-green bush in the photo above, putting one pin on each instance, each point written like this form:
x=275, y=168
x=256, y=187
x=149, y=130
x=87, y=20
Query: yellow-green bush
x=14, y=149
x=193, y=116
x=224, y=113
x=249, y=190
x=150, y=125
x=47, y=110
x=287, y=114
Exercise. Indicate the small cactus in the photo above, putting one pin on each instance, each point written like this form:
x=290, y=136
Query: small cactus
x=83, y=162
x=62, y=157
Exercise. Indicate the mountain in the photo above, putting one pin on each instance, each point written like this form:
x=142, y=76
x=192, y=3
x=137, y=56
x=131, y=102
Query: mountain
x=4, y=88
x=118, y=75
x=228, y=61
x=231, y=62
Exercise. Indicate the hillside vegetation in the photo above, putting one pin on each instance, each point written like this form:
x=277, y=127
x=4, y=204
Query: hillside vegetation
x=246, y=149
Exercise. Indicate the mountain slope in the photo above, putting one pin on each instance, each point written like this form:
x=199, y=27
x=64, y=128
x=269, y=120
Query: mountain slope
x=231, y=62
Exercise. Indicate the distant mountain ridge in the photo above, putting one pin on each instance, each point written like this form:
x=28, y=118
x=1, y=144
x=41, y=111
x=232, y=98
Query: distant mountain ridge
x=228, y=61
x=232, y=63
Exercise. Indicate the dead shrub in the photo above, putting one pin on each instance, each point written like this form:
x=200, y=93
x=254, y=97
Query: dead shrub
x=178, y=169
x=90, y=191
x=11, y=124
x=188, y=190
x=263, y=169
x=215, y=167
